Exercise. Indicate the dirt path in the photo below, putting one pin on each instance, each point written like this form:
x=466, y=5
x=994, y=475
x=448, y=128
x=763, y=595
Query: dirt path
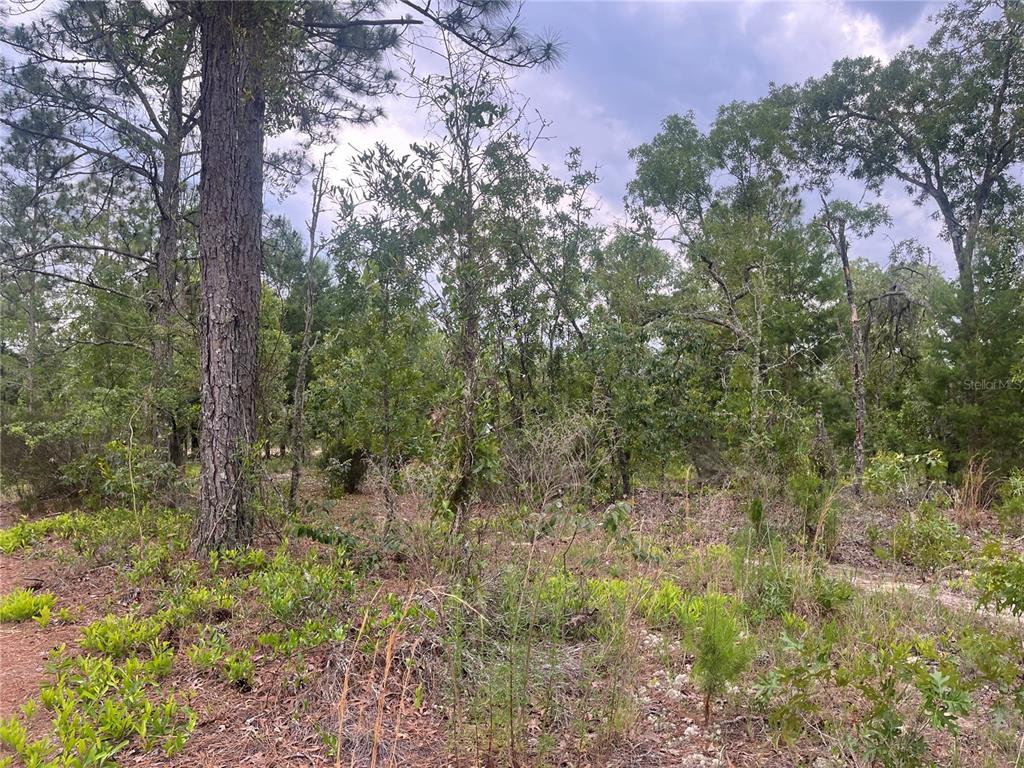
x=883, y=583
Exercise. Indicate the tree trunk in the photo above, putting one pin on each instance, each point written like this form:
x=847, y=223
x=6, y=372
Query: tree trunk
x=298, y=432
x=230, y=256
x=857, y=364
x=167, y=271
x=467, y=353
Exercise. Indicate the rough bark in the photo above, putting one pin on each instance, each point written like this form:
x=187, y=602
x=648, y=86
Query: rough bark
x=230, y=255
x=169, y=199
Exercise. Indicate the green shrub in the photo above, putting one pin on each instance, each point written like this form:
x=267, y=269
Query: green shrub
x=766, y=584
x=22, y=605
x=98, y=707
x=120, y=636
x=240, y=670
x=897, y=475
x=831, y=593
x=790, y=691
x=720, y=647
x=208, y=651
x=928, y=540
x=755, y=513
x=291, y=588
x=1010, y=508
x=1000, y=579
x=893, y=680
x=818, y=511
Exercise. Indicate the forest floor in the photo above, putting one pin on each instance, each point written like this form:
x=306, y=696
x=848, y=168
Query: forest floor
x=339, y=646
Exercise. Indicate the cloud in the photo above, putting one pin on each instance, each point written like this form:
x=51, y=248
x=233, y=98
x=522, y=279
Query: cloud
x=801, y=39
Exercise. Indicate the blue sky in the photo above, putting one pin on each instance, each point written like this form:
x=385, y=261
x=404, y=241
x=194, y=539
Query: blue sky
x=629, y=64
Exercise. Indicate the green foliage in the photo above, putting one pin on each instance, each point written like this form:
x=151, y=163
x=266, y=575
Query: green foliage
x=896, y=677
x=897, y=475
x=240, y=670
x=305, y=588
x=98, y=708
x=765, y=580
x=928, y=539
x=818, y=509
x=22, y=604
x=722, y=651
x=1000, y=579
x=121, y=636
x=1010, y=508
x=208, y=651
x=791, y=690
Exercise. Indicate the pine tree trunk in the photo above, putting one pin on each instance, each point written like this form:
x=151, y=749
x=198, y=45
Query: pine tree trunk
x=230, y=256
x=857, y=364
x=166, y=270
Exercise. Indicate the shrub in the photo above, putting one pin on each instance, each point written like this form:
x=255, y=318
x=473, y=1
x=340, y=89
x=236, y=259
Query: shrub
x=928, y=540
x=898, y=475
x=1000, y=579
x=818, y=512
x=240, y=670
x=206, y=653
x=22, y=605
x=892, y=679
x=1010, y=508
x=120, y=636
x=790, y=690
x=291, y=588
x=720, y=647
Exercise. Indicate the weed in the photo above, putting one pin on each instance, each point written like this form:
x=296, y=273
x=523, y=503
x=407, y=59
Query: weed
x=119, y=636
x=208, y=651
x=1000, y=579
x=22, y=604
x=791, y=689
x=240, y=670
x=928, y=540
x=292, y=588
x=97, y=707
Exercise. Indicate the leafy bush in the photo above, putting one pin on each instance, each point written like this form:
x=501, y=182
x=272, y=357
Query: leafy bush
x=1000, y=579
x=767, y=585
x=893, y=679
x=831, y=593
x=122, y=475
x=897, y=475
x=720, y=647
x=291, y=588
x=208, y=651
x=22, y=605
x=240, y=670
x=119, y=636
x=98, y=707
x=819, y=514
x=1010, y=508
x=343, y=467
x=928, y=540
x=790, y=691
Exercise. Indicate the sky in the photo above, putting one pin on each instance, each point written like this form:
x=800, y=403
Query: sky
x=627, y=65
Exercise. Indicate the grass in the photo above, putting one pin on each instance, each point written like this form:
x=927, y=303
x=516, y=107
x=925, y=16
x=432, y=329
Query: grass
x=544, y=652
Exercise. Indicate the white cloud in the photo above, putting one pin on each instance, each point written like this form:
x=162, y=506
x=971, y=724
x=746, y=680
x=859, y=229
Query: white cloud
x=802, y=39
